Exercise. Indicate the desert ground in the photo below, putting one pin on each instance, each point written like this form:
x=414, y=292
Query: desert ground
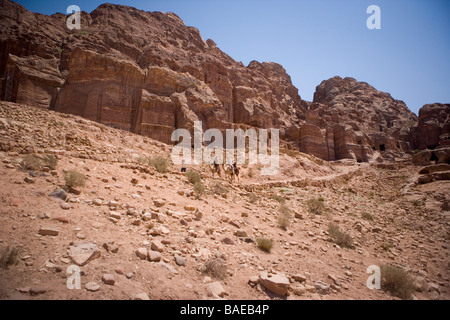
x=150, y=235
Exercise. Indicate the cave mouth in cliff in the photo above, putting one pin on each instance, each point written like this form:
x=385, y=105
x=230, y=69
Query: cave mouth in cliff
x=434, y=157
x=432, y=147
x=382, y=147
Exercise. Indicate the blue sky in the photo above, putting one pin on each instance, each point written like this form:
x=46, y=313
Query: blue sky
x=317, y=39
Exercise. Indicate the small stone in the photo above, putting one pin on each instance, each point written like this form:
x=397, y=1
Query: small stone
x=65, y=206
x=241, y=233
x=97, y=202
x=92, y=286
x=46, y=231
x=37, y=290
x=62, y=219
x=181, y=261
x=115, y=215
x=81, y=236
x=322, y=288
x=141, y=296
x=276, y=283
x=216, y=290
x=299, y=277
x=82, y=254
x=141, y=253
x=190, y=208
x=108, y=279
x=59, y=193
x=29, y=180
x=156, y=245
x=111, y=247
x=159, y=203
x=154, y=256
x=228, y=241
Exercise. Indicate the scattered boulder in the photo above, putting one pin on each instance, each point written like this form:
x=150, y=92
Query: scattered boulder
x=153, y=256
x=82, y=254
x=92, y=286
x=59, y=193
x=276, y=283
x=216, y=290
x=141, y=253
x=108, y=279
x=48, y=231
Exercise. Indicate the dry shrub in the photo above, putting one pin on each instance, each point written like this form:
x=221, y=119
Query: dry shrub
x=215, y=268
x=159, y=163
x=315, y=206
x=397, y=282
x=74, y=179
x=9, y=257
x=264, y=244
x=342, y=239
x=284, y=219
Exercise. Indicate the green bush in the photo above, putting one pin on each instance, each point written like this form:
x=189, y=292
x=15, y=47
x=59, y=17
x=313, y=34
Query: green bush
x=159, y=163
x=264, y=244
x=74, y=179
x=397, y=282
x=342, y=239
x=193, y=177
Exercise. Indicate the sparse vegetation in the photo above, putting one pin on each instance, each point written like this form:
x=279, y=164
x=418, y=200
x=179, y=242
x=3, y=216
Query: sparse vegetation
x=199, y=190
x=219, y=189
x=315, y=206
x=387, y=246
x=250, y=173
x=284, y=219
x=159, y=163
x=367, y=216
x=397, y=282
x=74, y=179
x=416, y=203
x=9, y=257
x=342, y=239
x=31, y=162
x=253, y=198
x=50, y=161
x=278, y=198
x=215, y=268
x=264, y=244
x=193, y=176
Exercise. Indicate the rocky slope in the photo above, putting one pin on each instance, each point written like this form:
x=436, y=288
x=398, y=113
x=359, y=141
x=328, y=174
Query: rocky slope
x=136, y=233
x=148, y=73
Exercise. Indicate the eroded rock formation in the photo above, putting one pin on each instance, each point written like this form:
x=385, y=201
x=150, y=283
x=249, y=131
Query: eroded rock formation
x=149, y=73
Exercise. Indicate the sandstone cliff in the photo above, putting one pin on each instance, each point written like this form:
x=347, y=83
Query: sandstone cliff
x=149, y=73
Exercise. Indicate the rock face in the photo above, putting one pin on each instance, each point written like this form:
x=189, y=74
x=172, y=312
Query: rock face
x=351, y=119
x=433, y=128
x=148, y=73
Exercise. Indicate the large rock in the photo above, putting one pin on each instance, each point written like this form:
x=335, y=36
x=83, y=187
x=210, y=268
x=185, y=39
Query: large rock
x=433, y=127
x=276, y=283
x=82, y=254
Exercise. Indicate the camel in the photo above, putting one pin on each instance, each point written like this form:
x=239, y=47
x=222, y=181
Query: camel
x=215, y=168
x=231, y=172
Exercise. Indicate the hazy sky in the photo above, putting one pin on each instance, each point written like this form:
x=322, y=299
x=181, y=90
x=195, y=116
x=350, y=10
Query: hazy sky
x=317, y=39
